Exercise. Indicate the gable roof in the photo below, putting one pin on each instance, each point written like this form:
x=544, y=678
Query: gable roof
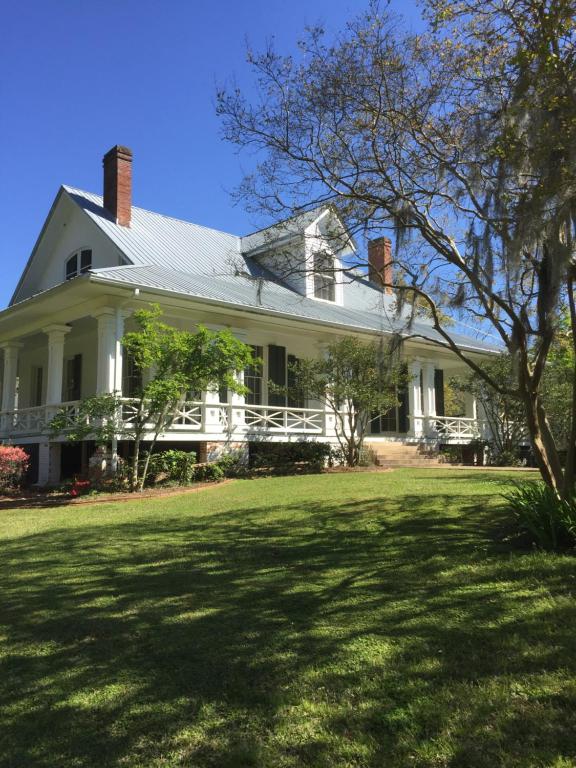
x=294, y=226
x=176, y=256
x=153, y=238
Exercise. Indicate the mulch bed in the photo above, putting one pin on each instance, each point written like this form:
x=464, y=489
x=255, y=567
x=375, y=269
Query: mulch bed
x=35, y=499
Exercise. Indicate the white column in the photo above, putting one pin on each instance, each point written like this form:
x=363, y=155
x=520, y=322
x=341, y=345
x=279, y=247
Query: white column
x=470, y=406
x=429, y=404
x=121, y=315
x=56, y=336
x=106, y=364
x=415, y=399
x=49, y=461
x=10, y=378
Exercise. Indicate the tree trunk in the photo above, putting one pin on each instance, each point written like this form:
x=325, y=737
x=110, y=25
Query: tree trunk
x=135, y=460
x=570, y=468
x=543, y=445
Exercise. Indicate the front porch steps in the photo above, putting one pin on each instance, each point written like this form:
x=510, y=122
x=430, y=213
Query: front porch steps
x=404, y=455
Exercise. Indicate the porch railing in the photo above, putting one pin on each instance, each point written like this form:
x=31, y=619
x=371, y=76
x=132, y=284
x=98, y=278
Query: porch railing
x=454, y=428
x=240, y=419
x=193, y=416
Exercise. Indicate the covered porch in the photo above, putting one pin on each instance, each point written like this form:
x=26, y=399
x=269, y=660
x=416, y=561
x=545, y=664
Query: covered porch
x=54, y=367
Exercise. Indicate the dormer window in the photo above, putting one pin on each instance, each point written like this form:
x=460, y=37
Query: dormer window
x=324, y=277
x=78, y=263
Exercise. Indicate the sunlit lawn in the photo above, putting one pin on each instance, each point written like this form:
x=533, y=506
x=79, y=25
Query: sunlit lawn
x=374, y=620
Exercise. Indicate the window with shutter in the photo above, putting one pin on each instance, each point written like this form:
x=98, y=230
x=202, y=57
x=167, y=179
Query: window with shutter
x=439, y=391
x=324, y=278
x=253, y=377
x=79, y=263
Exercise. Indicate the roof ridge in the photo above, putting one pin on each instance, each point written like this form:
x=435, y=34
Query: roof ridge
x=283, y=221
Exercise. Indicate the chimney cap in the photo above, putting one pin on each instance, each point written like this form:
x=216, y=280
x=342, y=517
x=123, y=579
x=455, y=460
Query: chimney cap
x=118, y=151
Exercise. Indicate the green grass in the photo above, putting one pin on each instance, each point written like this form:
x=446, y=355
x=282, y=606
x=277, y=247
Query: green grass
x=366, y=620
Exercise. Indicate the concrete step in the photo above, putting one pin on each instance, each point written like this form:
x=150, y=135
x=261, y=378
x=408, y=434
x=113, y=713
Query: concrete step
x=402, y=455
x=413, y=463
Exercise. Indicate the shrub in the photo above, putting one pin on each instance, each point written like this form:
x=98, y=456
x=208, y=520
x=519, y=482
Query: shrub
x=549, y=521
x=14, y=463
x=172, y=466
x=290, y=457
x=505, y=458
x=180, y=467
x=205, y=473
x=80, y=487
x=232, y=465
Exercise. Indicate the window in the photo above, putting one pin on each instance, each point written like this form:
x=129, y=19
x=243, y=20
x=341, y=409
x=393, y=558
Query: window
x=78, y=263
x=132, y=377
x=281, y=374
x=324, y=278
x=253, y=377
x=73, y=380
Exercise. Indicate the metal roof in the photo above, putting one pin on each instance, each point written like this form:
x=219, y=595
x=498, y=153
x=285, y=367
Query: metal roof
x=170, y=243
x=177, y=256
x=259, y=294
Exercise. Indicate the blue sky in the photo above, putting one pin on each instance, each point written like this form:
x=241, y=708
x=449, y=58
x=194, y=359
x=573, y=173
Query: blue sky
x=79, y=76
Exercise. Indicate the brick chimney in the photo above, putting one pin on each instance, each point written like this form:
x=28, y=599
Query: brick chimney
x=380, y=261
x=118, y=184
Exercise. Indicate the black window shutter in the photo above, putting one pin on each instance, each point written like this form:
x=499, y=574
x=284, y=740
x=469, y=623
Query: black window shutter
x=74, y=382
x=403, y=410
x=295, y=394
x=277, y=373
x=85, y=260
x=72, y=266
x=439, y=391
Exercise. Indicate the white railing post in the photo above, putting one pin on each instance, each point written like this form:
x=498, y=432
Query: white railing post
x=236, y=414
x=211, y=412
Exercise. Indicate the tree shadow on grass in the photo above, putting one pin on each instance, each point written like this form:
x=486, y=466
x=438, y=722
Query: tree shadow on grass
x=381, y=632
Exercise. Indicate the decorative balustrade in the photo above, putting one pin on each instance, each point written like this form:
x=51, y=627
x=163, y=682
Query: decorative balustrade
x=455, y=428
x=236, y=419
x=190, y=417
x=36, y=420
x=278, y=419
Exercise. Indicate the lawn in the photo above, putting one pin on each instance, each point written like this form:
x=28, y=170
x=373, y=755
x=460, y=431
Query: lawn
x=374, y=620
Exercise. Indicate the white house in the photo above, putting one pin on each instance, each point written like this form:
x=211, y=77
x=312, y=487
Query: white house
x=98, y=258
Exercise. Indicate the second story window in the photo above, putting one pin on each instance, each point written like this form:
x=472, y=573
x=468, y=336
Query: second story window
x=78, y=263
x=324, y=277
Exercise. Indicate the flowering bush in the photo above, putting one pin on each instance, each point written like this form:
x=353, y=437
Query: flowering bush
x=14, y=464
x=79, y=487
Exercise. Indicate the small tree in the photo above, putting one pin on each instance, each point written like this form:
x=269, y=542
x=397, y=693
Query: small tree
x=171, y=363
x=504, y=413
x=356, y=381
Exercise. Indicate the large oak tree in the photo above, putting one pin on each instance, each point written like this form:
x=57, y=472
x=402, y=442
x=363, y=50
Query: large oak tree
x=462, y=139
